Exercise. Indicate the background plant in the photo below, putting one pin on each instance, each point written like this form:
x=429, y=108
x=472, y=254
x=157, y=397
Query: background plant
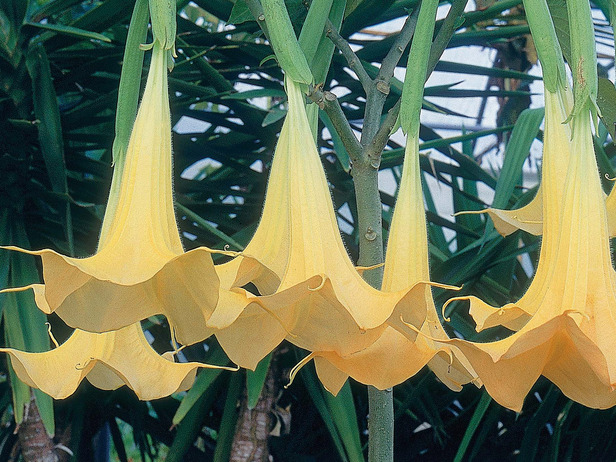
x=59, y=68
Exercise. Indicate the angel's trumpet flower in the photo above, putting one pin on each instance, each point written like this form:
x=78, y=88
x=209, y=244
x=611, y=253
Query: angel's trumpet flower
x=556, y=148
x=529, y=218
x=140, y=268
x=305, y=247
x=399, y=353
x=108, y=360
x=571, y=301
x=556, y=155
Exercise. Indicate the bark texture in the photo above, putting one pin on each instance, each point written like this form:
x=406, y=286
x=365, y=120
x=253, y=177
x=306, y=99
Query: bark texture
x=254, y=425
x=36, y=445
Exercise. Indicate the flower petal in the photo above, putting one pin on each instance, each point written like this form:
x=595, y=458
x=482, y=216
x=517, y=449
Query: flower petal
x=572, y=298
x=108, y=360
x=140, y=268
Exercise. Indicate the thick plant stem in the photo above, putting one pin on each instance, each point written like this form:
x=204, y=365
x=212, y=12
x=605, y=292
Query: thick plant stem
x=36, y=445
x=380, y=403
x=250, y=440
x=381, y=425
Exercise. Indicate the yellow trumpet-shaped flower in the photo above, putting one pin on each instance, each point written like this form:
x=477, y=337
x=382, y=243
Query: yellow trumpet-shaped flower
x=556, y=155
x=140, y=268
x=571, y=302
x=558, y=106
x=108, y=360
x=529, y=218
x=245, y=327
x=299, y=243
x=399, y=353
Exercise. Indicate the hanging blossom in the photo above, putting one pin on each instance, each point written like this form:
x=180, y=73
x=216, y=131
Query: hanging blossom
x=399, y=352
x=299, y=245
x=565, y=321
x=108, y=361
x=556, y=155
x=140, y=268
x=529, y=218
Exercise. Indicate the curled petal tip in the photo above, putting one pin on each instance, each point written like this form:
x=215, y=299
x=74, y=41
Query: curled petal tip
x=233, y=368
x=581, y=313
x=441, y=285
x=470, y=212
x=51, y=336
x=297, y=368
x=146, y=46
x=321, y=284
x=81, y=367
x=446, y=304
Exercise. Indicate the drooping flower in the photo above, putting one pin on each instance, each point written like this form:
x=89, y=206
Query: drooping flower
x=529, y=218
x=399, y=352
x=140, y=268
x=556, y=155
x=299, y=243
x=108, y=361
x=555, y=148
x=245, y=327
x=565, y=321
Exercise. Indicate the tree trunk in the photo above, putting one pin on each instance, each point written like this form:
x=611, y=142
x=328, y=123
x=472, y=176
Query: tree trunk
x=36, y=445
x=254, y=425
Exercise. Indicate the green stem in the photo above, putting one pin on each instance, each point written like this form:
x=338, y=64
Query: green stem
x=353, y=61
x=381, y=425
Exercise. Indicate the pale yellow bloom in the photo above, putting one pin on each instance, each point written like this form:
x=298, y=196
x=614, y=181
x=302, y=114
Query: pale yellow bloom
x=399, y=352
x=140, y=268
x=529, y=218
x=245, y=328
x=108, y=360
x=299, y=246
x=556, y=138
x=570, y=336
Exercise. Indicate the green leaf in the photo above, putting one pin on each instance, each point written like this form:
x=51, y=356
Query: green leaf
x=538, y=421
x=558, y=10
x=71, y=31
x=24, y=326
x=464, y=68
x=546, y=43
x=240, y=13
x=38, y=10
x=209, y=227
x=473, y=425
x=10, y=21
x=522, y=137
x=344, y=415
x=130, y=81
x=49, y=129
x=192, y=422
x=284, y=42
x=417, y=67
x=262, y=93
x=339, y=149
x=255, y=380
x=316, y=392
x=325, y=50
x=462, y=203
x=229, y=419
x=273, y=116
x=606, y=100
x=202, y=384
x=313, y=28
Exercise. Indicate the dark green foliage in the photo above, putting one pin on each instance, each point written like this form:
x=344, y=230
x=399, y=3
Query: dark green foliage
x=60, y=63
